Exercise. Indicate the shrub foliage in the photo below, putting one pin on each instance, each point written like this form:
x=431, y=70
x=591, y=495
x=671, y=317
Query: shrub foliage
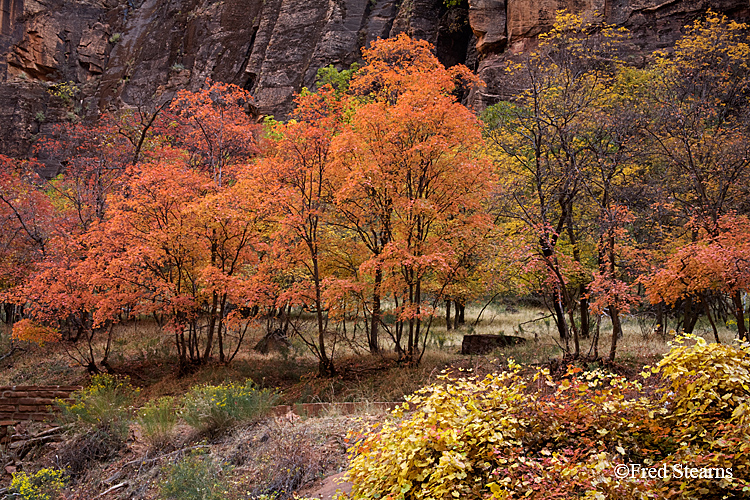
x=45, y=484
x=590, y=434
x=157, y=419
x=194, y=477
x=105, y=405
x=210, y=408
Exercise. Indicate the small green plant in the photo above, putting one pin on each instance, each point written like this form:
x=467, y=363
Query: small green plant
x=115, y=37
x=178, y=67
x=103, y=405
x=157, y=420
x=46, y=484
x=65, y=91
x=339, y=80
x=195, y=477
x=40, y=116
x=211, y=408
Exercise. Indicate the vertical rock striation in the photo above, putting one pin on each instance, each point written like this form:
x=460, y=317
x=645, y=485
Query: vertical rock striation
x=139, y=52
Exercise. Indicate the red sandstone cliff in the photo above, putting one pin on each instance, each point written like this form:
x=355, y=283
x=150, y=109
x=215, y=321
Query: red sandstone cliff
x=140, y=51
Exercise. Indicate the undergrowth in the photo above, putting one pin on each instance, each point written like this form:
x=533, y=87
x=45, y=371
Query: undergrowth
x=211, y=408
x=515, y=435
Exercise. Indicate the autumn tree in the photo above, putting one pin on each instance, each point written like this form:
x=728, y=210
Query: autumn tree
x=714, y=263
x=169, y=238
x=615, y=143
x=297, y=174
x=414, y=182
x=543, y=152
x=92, y=157
x=698, y=126
x=214, y=125
x=27, y=217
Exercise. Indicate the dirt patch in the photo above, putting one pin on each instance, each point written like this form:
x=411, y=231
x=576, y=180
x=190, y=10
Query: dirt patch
x=328, y=488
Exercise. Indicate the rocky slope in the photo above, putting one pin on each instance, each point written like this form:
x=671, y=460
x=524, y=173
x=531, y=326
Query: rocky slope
x=138, y=52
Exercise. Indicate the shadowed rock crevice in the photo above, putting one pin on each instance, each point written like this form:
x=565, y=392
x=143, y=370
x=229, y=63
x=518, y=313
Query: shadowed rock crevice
x=454, y=37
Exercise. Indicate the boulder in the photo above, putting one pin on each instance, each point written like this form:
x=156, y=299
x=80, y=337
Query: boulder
x=484, y=344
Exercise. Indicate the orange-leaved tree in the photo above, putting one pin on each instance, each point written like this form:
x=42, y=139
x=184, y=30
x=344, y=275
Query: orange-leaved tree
x=716, y=263
x=213, y=124
x=180, y=247
x=26, y=215
x=413, y=182
x=297, y=174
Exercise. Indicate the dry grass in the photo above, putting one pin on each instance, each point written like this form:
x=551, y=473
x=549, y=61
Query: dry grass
x=277, y=456
x=143, y=352
x=284, y=454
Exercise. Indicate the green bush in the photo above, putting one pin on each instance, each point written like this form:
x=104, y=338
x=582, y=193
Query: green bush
x=46, y=484
x=157, y=420
x=104, y=405
x=214, y=408
x=193, y=478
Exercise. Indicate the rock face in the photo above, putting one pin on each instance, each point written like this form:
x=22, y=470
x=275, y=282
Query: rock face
x=139, y=52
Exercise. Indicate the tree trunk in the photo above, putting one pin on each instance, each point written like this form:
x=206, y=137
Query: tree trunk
x=690, y=317
x=460, y=317
x=562, y=328
x=595, y=340
x=583, y=301
x=410, y=340
x=585, y=330
x=221, y=327
x=416, y=355
x=325, y=365
x=613, y=309
x=214, y=304
x=375, y=324
x=576, y=343
x=559, y=315
x=739, y=312
x=10, y=310
x=211, y=326
x=707, y=310
x=448, y=324
x=616, y=331
x=660, y=326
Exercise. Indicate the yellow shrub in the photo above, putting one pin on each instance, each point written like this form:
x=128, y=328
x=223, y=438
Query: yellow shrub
x=46, y=484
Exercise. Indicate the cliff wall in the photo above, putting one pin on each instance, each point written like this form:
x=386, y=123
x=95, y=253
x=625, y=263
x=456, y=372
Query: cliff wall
x=139, y=52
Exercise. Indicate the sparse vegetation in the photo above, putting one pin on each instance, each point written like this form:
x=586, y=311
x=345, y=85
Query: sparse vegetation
x=194, y=477
x=157, y=420
x=105, y=405
x=66, y=91
x=215, y=408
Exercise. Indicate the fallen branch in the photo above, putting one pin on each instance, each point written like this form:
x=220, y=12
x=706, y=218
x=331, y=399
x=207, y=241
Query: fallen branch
x=113, y=488
x=10, y=353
